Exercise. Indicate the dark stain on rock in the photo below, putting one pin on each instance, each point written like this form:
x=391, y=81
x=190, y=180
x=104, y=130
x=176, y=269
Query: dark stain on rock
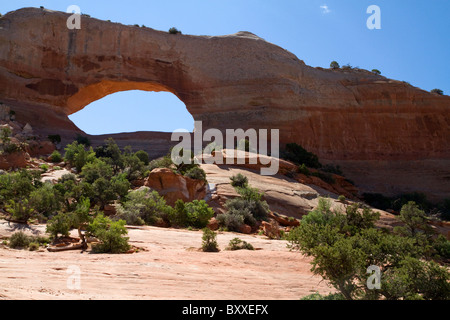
x=53, y=87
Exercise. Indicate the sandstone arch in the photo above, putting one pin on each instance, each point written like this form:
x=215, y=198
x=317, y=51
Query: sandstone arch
x=372, y=126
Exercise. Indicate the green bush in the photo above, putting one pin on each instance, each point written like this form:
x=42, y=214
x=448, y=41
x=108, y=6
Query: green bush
x=318, y=296
x=209, y=242
x=33, y=246
x=298, y=155
x=198, y=213
x=334, y=65
x=83, y=140
x=77, y=156
x=239, y=180
x=112, y=235
x=304, y=170
x=44, y=167
x=56, y=157
x=238, y=244
x=60, y=224
x=55, y=138
x=437, y=91
x=19, y=240
x=143, y=207
x=164, y=162
x=344, y=244
x=191, y=214
x=326, y=177
x=20, y=210
x=18, y=185
x=196, y=173
x=45, y=199
x=376, y=71
x=143, y=156
x=174, y=30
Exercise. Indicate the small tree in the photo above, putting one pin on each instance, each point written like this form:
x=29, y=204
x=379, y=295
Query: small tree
x=376, y=71
x=112, y=235
x=174, y=30
x=334, y=65
x=143, y=156
x=239, y=180
x=437, y=91
x=209, y=243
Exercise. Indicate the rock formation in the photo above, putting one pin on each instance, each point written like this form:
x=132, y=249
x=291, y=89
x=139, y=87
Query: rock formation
x=386, y=135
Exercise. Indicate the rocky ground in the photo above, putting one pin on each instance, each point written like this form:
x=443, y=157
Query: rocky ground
x=170, y=267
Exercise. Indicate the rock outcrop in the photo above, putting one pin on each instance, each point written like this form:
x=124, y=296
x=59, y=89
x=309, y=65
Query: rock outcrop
x=386, y=135
x=173, y=186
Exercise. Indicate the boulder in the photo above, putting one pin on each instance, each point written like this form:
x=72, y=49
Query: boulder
x=173, y=186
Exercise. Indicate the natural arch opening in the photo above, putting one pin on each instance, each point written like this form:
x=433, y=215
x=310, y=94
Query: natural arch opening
x=133, y=111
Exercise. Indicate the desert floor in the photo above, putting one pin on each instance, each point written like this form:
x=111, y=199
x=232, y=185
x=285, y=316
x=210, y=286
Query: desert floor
x=170, y=267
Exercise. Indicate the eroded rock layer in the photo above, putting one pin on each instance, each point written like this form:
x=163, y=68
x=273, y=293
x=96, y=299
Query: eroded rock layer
x=368, y=124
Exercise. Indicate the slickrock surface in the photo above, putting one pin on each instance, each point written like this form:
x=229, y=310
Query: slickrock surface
x=170, y=268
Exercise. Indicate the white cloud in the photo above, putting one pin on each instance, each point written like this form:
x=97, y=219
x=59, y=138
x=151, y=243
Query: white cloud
x=325, y=9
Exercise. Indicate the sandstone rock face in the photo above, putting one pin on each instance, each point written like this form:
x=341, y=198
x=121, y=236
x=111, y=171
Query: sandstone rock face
x=174, y=186
x=351, y=118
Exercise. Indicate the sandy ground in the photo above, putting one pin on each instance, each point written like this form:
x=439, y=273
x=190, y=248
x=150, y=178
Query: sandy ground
x=171, y=267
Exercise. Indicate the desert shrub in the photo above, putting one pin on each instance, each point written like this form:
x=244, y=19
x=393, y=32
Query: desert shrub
x=377, y=200
x=33, y=246
x=334, y=65
x=112, y=235
x=83, y=140
x=376, y=71
x=209, y=242
x=143, y=156
x=198, y=213
x=239, y=181
x=347, y=67
x=19, y=240
x=77, y=156
x=341, y=198
x=196, y=173
x=344, y=244
x=174, y=30
x=164, y=162
x=232, y=221
x=238, y=244
x=54, y=138
x=304, y=170
x=437, y=91
x=44, y=167
x=95, y=170
x=318, y=296
x=191, y=214
x=103, y=191
x=56, y=156
x=444, y=209
x=143, y=207
x=326, y=177
x=298, y=155
x=60, y=224
x=20, y=210
x=45, y=200
x=18, y=185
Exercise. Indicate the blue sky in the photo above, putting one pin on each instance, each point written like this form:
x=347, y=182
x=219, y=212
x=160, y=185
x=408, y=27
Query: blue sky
x=413, y=44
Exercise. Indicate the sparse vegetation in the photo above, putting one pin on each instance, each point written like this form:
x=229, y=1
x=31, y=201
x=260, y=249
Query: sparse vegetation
x=56, y=157
x=344, y=244
x=437, y=91
x=54, y=138
x=174, y=30
x=298, y=155
x=19, y=240
x=112, y=235
x=376, y=71
x=209, y=242
x=334, y=65
x=238, y=244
